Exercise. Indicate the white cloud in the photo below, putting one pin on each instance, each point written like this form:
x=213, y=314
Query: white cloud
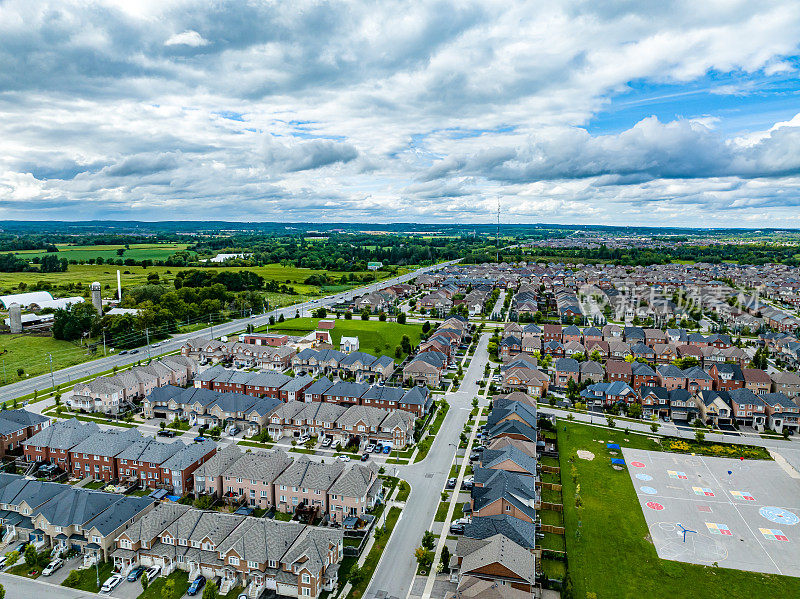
x=393, y=111
x=187, y=38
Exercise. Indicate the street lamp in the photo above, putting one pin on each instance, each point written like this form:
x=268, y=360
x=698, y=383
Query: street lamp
x=97, y=569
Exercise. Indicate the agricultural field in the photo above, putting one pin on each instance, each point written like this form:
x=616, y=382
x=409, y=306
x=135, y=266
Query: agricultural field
x=377, y=338
x=139, y=251
x=85, y=274
x=32, y=354
x=610, y=554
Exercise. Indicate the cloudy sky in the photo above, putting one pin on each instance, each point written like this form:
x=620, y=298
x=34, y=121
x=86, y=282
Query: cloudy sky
x=633, y=112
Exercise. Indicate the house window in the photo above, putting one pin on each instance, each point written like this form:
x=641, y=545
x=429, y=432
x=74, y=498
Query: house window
x=272, y=563
x=306, y=578
x=252, y=565
x=234, y=561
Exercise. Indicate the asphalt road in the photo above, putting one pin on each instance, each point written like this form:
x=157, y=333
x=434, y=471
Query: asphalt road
x=66, y=375
x=395, y=572
x=22, y=588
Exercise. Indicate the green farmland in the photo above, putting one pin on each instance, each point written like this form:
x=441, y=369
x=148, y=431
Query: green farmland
x=32, y=354
x=610, y=555
x=80, y=276
x=140, y=251
x=377, y=338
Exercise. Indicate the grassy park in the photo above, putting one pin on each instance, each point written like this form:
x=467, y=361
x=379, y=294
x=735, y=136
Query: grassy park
x=377, y=338
x=608, y=547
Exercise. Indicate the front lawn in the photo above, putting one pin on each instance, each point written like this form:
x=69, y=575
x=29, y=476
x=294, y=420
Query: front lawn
x=610, y=553
x=86, y=580
x=22, y=569
x=159, y=589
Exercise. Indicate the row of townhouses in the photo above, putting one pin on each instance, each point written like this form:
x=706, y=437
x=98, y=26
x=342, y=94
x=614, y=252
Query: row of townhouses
x=86, y=451
x=272, y=479
x=110, y=394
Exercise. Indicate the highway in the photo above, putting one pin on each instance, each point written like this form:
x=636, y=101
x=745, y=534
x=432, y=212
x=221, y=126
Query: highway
x=66, y=375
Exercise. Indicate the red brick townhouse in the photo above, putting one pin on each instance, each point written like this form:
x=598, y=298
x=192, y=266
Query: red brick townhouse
x=53, y=443
x=16, y=426
x=95, y=456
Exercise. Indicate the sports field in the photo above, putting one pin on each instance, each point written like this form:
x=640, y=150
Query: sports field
x=376, y=338
x=610, y=550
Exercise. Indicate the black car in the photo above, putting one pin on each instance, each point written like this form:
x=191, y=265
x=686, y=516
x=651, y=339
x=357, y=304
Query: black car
x=474, y=456
x=364, y=456
x=134, y=574
x=457, y=529
x=134, y=351
x=166, y=433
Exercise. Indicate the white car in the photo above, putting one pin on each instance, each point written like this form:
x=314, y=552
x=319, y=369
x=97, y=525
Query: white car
x=111, y=583
x=343, y=458
x=3, y=560
x=152, y=573
x=53, y=566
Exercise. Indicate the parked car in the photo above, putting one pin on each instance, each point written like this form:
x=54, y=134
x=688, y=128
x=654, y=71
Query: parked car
x=52, y=566
x=197, y=584
x=234, y=430
x=451, y=483
x=474, y=456
x=365, y=456
x=327, y=442
x=166, y=433
x=302, y=439
x=3, y=560
x=20, y=548
x=343, y=458
x=123, y=352
x=199, y=439
x=468, y=483
x=478, y=449
x=456, y=529
x=111, y=583
x=134, y=351
x=134, y=574
x=371, y=448
x=377, y=449
x=153, y=572
x=387, y=449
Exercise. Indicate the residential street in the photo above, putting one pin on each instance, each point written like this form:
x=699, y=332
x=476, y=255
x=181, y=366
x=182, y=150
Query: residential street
x=427, y=478
x=23, y=588
x=65, y=375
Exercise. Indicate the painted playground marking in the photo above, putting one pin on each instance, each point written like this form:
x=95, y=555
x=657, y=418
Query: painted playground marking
x=672, y=542
x=779, y=515
x=704, y=508
x=718, y=529
x=773, y=534
x=677, y=474
x=654, y=505
x=644, y=477
x=703, y=491
x=637, y=464
x=743, y=495
x=648, y=490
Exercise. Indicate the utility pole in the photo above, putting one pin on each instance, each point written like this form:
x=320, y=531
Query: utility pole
x=147, y=337
x=497, y=238
x=104, y=342
x=52, y=378
x=4, y=371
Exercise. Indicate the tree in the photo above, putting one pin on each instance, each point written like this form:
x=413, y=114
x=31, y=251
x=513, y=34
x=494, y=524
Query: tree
x=635, y=410
x=654, y=425
x=700, y=435
x=401, y=318
x=211, y=591
x=382, y=317
x=445, y=557
x=426, y=326
x=145, y=581
x=365, y=314
x=572, y=389
x=610, y=421
x=169, y=588
x=31, y=556
x=428, y=540
x=356, y=575
x=2, y=592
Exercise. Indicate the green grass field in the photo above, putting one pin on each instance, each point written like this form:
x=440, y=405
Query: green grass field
x=610, y=553
x=377, y=338
x=32, y=354
x=139, y=251
x=85, y=274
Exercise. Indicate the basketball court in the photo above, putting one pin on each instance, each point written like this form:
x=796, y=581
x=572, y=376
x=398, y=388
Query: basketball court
x=703, y=510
